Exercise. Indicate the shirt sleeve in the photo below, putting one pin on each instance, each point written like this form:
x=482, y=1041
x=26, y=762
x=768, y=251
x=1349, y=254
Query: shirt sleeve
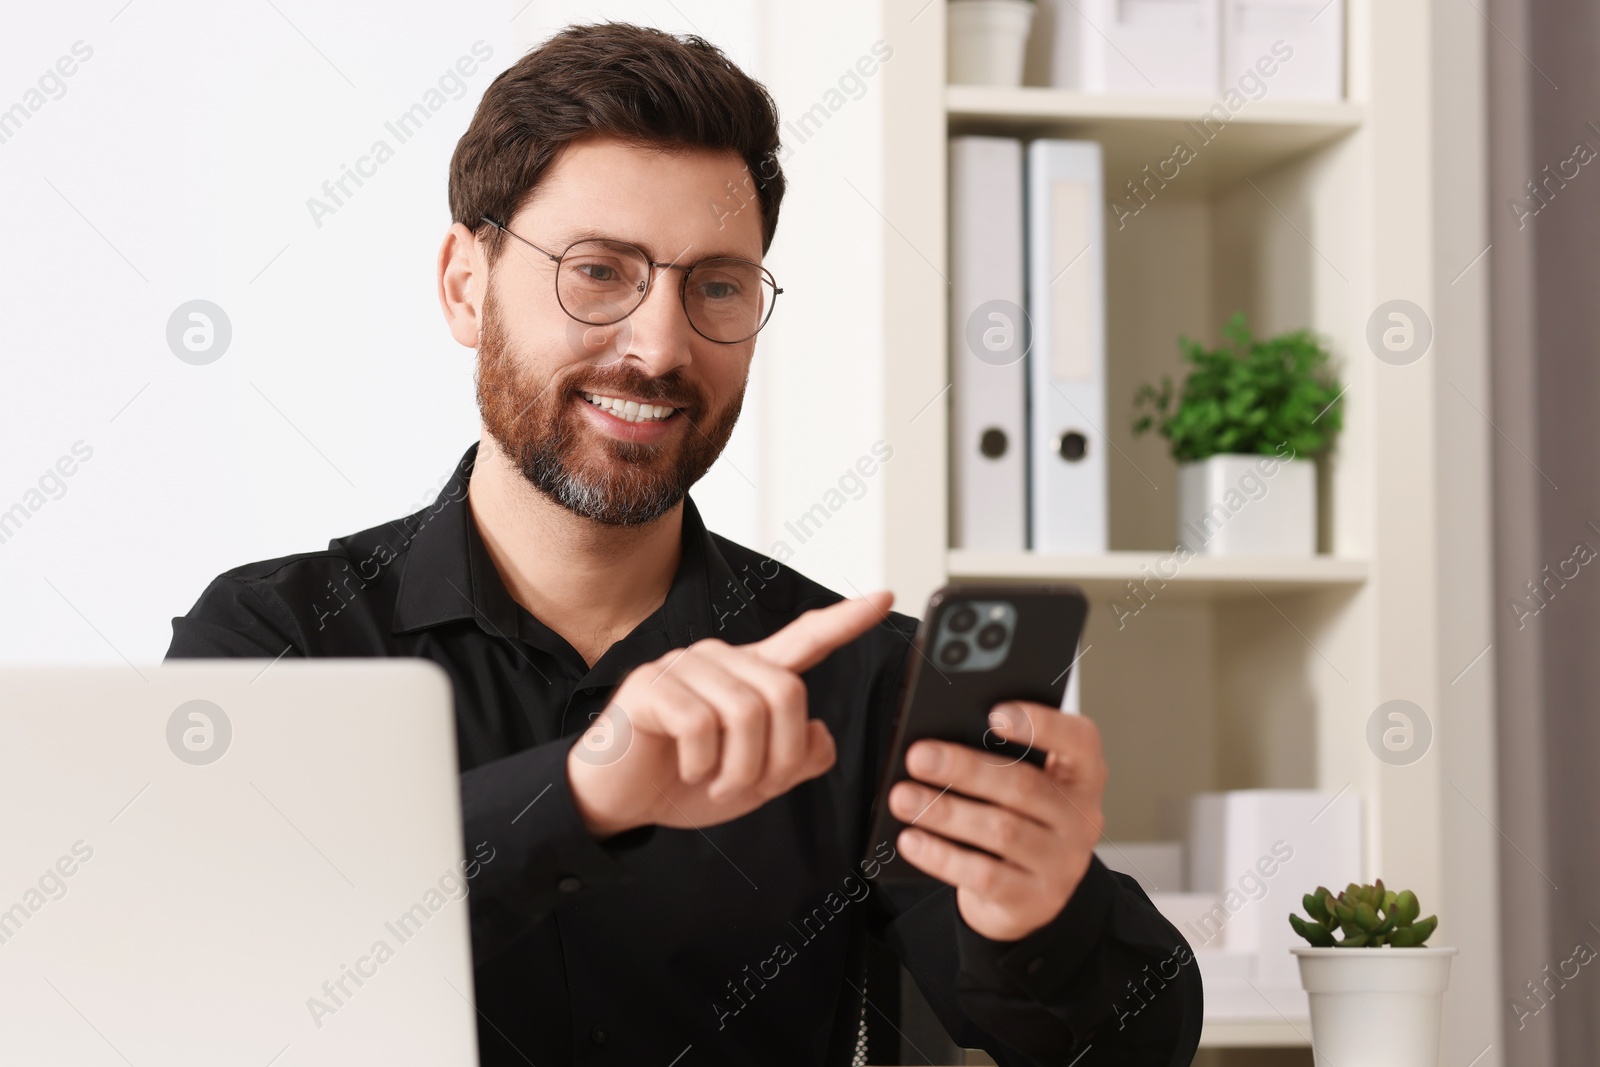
x=233, y=620
x=1108, y=981
x=520, y=806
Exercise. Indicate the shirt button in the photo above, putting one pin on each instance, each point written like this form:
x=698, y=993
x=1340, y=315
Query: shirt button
x=1036, y=965
x=588, y=690
x=569, y=884
x=598, y=1035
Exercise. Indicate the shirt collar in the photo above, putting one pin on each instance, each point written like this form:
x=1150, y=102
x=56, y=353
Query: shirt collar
x=448, y=575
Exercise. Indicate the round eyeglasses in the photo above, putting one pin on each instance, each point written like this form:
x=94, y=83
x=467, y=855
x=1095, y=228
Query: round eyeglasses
x=601, y=282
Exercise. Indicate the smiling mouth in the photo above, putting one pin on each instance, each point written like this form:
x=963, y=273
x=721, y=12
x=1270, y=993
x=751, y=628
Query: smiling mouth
x=630, y=410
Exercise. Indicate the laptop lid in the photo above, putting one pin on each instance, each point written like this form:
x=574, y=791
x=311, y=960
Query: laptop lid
x=233, y=862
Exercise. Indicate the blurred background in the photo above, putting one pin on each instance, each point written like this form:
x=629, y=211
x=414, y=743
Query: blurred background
x=180, y=161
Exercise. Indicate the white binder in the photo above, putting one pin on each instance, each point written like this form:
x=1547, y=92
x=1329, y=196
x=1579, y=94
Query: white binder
x=1067, y=362
x=988, y=340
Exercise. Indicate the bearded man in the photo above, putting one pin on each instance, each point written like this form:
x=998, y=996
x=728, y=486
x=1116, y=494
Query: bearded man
x=678, y=797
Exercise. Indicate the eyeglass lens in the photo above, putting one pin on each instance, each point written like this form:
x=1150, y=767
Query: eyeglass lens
x=602, y=282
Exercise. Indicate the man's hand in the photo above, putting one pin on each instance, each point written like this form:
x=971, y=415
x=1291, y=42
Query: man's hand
x=1042, y=824
x=708, y=733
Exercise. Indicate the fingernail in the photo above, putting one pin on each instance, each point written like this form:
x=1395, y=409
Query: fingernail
x=926, y=758
x=998, y=721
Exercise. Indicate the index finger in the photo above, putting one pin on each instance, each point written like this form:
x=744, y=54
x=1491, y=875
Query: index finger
x=807, y=640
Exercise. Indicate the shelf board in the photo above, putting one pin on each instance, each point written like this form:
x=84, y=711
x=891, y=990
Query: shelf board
x=1255, y=1033
x=1137, y=131
x=1204, y=577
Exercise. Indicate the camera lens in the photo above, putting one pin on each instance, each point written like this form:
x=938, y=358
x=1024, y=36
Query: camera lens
x=992, y=636
x=954, y=653
x=963, y=619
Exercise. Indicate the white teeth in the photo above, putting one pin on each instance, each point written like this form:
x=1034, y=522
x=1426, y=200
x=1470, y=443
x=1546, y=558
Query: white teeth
x=629, y=410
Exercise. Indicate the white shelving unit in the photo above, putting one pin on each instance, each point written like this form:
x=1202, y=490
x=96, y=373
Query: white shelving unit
x=1201, y=577
x=1256, y=673
x=1139, y=130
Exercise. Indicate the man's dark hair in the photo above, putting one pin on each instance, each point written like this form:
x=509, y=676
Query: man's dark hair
x=635, y=83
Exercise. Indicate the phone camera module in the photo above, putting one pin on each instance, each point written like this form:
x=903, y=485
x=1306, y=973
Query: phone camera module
x=963, y=619
x=992, y=636
x=974, y=635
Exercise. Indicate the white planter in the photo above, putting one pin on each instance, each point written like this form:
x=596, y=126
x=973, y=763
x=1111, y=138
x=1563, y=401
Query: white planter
x=988, y=39
x=1238, y=505
x=1376, y=1007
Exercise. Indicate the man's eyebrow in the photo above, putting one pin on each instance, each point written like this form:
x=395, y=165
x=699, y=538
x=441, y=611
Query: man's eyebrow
x=572, y=237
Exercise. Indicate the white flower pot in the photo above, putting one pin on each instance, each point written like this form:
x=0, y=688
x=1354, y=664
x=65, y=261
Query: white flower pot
x=1376, y=1007
x=1239, y=505
x=987, y=40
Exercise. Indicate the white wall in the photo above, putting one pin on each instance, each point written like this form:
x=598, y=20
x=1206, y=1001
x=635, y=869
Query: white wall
x=176, y=163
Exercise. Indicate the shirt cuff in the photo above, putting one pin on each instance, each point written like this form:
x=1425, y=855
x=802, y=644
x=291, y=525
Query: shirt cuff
x=1042, y=964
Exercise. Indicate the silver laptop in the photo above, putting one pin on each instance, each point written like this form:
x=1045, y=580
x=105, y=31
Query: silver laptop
x=233, y=862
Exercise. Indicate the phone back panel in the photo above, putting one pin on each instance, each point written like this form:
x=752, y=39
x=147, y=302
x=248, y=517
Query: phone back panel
x=948, y=693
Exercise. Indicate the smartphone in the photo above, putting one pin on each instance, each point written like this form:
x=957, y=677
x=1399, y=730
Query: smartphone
x=976, y=646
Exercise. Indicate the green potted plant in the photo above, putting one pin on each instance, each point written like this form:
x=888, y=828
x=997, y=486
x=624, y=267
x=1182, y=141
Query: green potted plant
x=987, y=40
x=1246, y=430
x=1377, y=993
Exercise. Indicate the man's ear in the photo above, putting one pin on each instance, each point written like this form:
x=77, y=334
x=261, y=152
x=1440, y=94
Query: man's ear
x=463, y=280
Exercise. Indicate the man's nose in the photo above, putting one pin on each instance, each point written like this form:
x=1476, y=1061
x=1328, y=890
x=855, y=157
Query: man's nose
x=661, y=335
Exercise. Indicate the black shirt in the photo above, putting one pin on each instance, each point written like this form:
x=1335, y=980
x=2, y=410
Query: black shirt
x=742, y=943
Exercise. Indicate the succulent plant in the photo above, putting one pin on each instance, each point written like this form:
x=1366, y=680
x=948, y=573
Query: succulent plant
x=1369, y=916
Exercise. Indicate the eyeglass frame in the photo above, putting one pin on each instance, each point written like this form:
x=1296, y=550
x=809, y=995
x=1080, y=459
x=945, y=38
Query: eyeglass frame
x=683, y=284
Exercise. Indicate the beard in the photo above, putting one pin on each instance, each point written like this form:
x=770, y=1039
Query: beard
x=613, y=482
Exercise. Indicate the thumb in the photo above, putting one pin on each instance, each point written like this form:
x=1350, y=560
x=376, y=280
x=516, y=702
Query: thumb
x=821, y=752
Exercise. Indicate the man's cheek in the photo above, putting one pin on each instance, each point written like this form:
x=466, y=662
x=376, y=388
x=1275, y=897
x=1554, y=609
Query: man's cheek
x=729, y=388
x=583, y=342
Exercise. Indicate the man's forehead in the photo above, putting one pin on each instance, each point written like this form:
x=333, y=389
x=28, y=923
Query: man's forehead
x=675, y=203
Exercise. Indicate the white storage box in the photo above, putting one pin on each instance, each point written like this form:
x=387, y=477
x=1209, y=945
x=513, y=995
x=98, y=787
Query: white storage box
x=1200, y=917
x=1259, y=851
x=1156, y=865
x=1296, y=47
x=1253, y=1001
x=1234, y=988
x=1143, y=47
